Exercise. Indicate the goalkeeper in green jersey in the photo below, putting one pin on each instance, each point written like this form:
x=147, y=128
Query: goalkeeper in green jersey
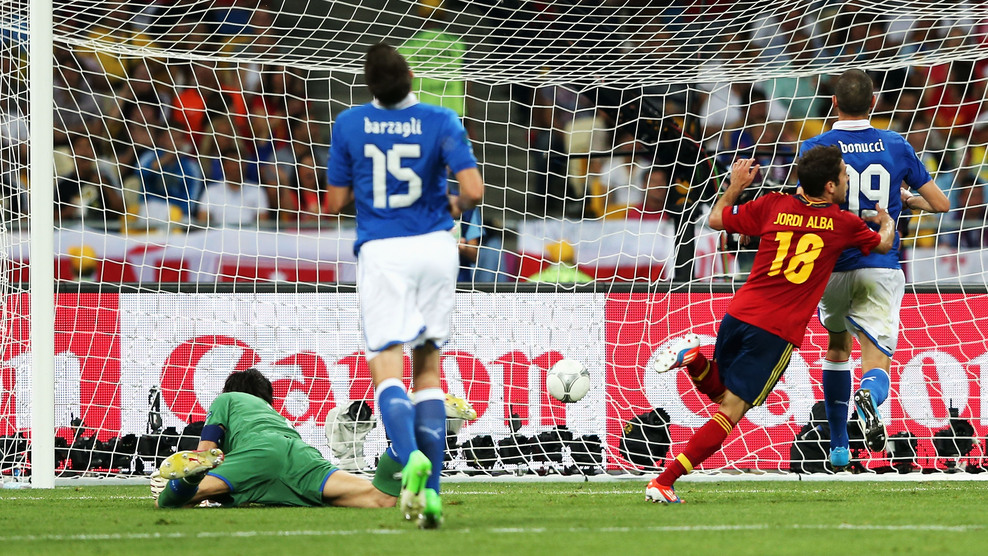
x=248, y=453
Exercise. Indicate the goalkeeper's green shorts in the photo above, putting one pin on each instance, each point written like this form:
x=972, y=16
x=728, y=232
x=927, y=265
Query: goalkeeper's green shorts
x=274, y=470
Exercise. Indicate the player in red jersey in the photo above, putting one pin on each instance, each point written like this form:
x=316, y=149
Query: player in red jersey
x=801, y=238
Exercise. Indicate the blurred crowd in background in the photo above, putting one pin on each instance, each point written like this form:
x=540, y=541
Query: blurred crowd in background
x=942, y=109
x=146, y=143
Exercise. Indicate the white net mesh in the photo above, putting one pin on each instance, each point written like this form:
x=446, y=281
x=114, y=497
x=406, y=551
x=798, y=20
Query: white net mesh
x=13, y=202
x=191, y=144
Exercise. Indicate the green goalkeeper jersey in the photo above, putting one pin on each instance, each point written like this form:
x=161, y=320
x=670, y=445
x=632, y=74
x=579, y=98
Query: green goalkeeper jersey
x=243, y=416
x=266, y=461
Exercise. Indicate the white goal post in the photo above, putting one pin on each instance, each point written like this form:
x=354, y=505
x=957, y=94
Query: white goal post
x=184, y=235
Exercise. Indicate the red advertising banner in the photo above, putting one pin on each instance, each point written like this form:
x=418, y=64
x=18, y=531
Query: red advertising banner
x=112, y=349
x=939, y=364
x=87, y=363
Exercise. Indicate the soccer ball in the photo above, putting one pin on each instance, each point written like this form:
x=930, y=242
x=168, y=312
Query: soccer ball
x=568, y=381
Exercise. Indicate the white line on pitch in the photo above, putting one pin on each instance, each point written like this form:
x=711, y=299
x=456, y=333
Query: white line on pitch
x=899, y=487
x=118, y=497
x=498, y=530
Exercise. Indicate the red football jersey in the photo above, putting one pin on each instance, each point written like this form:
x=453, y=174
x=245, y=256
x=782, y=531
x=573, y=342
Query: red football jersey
x=800, y=243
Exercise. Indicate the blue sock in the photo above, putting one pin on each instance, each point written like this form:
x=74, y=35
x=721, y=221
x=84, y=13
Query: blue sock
x=430, y=430
x=836, y=399
x=398, y=417
x=877, y=381
x=178, y=493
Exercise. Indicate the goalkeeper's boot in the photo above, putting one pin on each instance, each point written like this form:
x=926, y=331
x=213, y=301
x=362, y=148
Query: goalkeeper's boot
x=432, y=514
x=413, y=477
x=190, y=462
x=874, y=429
x=661, y=494
x=840, y=457
x=679, y=354
x=458, y=408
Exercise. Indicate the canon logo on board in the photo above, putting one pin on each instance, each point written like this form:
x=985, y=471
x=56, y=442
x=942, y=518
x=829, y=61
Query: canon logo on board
x=313, y=388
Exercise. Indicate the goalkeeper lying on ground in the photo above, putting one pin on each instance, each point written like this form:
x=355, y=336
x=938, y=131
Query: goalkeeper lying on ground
x=264, y=460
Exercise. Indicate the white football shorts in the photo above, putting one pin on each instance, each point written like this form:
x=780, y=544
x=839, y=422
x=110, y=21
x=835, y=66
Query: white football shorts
x=865, y=299
x=406, y=287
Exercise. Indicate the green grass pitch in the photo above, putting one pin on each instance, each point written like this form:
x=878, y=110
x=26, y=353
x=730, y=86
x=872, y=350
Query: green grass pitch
x=588, y=518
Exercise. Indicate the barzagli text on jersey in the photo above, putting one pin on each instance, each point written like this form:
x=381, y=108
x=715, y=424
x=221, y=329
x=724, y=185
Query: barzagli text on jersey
x=411, y=127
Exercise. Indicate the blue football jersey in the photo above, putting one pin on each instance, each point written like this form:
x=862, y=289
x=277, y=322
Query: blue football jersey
x=878, y=163
x=396, y=160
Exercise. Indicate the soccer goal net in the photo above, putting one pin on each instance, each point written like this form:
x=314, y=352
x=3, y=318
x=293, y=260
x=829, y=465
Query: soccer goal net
x=191, y=237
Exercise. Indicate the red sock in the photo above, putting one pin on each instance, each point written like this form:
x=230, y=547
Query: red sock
x=704, y=442
x=706, y=377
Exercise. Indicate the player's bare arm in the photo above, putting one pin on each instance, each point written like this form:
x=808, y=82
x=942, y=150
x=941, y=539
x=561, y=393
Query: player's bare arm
x=206, y=445
x=886, y=229
x=337, y=198
x=469, y=249
x=454, y=206
x=930, y=199
x=743, y=173
x=469, y=198
x=471, y=189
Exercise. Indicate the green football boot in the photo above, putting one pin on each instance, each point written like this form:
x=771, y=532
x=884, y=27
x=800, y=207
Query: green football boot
x=432, y=514
x=413, y=477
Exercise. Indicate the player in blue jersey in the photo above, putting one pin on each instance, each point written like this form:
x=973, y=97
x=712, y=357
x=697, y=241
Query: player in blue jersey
x=865, y=292
x=391, y=157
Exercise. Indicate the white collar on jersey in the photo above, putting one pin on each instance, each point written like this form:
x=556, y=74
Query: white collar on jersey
x=852, y=125
x=410, y=100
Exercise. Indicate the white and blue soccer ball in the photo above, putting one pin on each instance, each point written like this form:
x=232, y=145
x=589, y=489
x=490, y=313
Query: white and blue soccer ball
x=568, y=381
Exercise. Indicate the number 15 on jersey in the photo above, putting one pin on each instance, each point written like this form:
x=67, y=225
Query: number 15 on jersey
x=390, y=163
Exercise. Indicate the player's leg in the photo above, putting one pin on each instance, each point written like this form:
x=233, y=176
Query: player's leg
x=835, y=305
x=752, y=362
x=387, y=476
x=391, y=399
x=875, y=318
x=398, y=415
x=350, y=491
x=878, y=363
x=389, y=316
x=704, y=443
x=872, y=392
x=187, y=479
x=685, y=352
x=430, y=410
x=837, y=395
x=436, y=301
x=430, y=425
x=185, y=492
